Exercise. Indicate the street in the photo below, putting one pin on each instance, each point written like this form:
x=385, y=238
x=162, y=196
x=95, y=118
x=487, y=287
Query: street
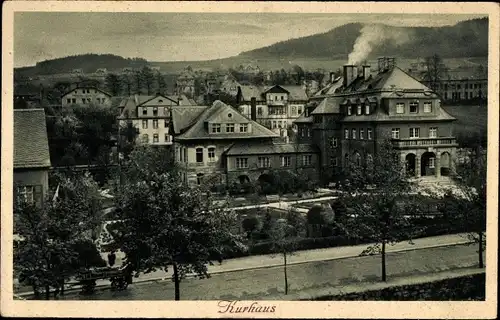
x=268, y=283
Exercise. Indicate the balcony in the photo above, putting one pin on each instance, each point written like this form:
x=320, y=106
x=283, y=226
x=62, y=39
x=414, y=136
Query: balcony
x=278, y=103
x=425, y=142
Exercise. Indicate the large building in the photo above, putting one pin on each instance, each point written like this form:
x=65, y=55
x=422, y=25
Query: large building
x=277, y=106
x=85, y=95
x=151, y=115
x=219, y=146
x=347, y=125
x=31, y=155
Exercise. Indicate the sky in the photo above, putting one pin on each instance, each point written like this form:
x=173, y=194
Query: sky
x=180, y=36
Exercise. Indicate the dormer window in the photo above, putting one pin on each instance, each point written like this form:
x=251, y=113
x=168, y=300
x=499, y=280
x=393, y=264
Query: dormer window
x=155, y=111
x=144, y=111
x=216, y=127
x=230, y=127
x=244, y=127
x=349, y=111
x=367, y=109
x=360, y=110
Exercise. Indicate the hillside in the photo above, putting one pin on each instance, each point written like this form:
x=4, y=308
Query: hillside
x=465, y=39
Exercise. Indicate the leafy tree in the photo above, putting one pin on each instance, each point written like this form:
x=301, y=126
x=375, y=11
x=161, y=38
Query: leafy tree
x=179, y=226
x=297, y=221
x=470, y=198
x=128, y=136
x=267, y=224
x=138, y=81
x=52, y=233
x=113, y=84
x=127, y=83
x=251, y=225
x=160, y=82
x=147, y=79
x=283, y=241
x=373, y=191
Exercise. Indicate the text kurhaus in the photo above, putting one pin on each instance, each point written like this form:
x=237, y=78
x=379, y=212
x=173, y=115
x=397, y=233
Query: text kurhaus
x=232, y=307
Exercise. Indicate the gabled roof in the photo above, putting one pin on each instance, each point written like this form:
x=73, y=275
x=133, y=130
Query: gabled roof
x=329, y=105
x=200, y=131
x=184, y=116
x=131, y=103
x=295, y=92
x=86, y=87
x=330, y=88
x=31, y=146
x=269, y=148
x=248, y=92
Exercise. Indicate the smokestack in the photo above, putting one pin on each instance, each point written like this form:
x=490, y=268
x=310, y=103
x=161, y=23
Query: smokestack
x=366, y=72
x=253, y=109
x=350, y=74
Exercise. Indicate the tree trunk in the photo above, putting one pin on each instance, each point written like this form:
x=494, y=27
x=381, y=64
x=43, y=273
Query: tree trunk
x=62, y=287
x=286, y=277
x=176, y=283
x=481, y=262
x=47, y=292
x=384, y=272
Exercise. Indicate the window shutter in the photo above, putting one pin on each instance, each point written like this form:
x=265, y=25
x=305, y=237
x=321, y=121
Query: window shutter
x=38, y=195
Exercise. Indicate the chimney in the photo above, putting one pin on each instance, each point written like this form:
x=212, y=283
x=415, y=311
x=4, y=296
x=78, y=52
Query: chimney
x=366, y=71
x=350, y=73
x=253, y=109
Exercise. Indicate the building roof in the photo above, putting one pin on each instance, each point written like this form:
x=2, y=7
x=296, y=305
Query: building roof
x=329, y=105
x=269, y=148
x=381, y=116
x=295, y=92
x=212, y=114
x=31, y=146
x=303, y=119
x=131, y=103
x=184, y=116
x=249, y=91
x=86, y=87
x=330, y=88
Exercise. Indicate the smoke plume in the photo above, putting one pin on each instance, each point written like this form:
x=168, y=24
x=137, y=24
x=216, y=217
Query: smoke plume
x=374, y=35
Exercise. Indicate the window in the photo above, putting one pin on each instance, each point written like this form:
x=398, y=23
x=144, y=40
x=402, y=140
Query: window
x=433, y=132
x=167, y=137
x=413, y=107
x=294, y=110
x=334, y=161
x=155, y=111
x=165, y=111
x=98, y=100
x=229, y=115
x=155, y=124
x=199, y=155
x=349, y=111
x=273, y=124
x=360, y=109
x=68, y=100
x=144, y=111
x=317, y=119
x=432, y=163
x=427, y=107
x=361, y=134
x=367, y=109
x=155, y=138
x=216, y=127
x=308, y=132
x=395, y=133
x=400, y=108
x=279, y=124
x=211, y=154
x=414, y=132
x=243, y=127
x=369, y=133
x=259, y=111
x=299, y=110
x=25, y=194
x=144, y=124
x=103, y=99
x=73, y=100
x=199, y=178
x=83, y=101
x=241, y=163
x=230, y=127
x=334, y=142
x=346, y=134
x=145, y=138
x=281, y=98
x=185, y=155
x=285, y=161
x=264, y=162
x=353, y=133
x=166, y=123
x=306, y=160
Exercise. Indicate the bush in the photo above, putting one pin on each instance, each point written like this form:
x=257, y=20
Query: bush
x=88, y=255
x=250, y=225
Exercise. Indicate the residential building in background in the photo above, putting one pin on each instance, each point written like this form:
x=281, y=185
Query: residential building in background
x=348, y=124
x=185, y=83
x=31, y=155
x=83, y=95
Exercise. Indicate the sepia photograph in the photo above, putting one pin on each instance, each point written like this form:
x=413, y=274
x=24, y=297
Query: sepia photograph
x=249, y=160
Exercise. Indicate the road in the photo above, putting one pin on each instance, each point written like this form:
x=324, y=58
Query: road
x=267, y=283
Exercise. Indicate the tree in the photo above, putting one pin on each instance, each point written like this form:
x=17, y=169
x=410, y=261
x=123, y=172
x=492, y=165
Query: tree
x=162, y=85
x=138, y=81
x=52, y=233
x=435, y=71
x=127, y=83
x=113, y=84
x=470, y=198
x=251, y=226
x=374, y=192
x=127, y=139
x=147, y=79
x=283, y=241
x=178, y=227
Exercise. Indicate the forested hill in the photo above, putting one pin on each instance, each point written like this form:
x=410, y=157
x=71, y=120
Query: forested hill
x=88, y=63
x=465, y=39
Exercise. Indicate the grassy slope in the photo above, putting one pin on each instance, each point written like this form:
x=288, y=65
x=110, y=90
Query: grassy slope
x=470, y=119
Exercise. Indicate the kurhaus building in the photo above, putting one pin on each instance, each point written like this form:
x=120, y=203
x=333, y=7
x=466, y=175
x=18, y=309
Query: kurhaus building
x=346, y=125
x=217, y=145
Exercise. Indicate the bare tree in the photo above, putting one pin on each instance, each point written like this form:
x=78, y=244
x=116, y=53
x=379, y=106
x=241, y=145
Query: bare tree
x=435, y=71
